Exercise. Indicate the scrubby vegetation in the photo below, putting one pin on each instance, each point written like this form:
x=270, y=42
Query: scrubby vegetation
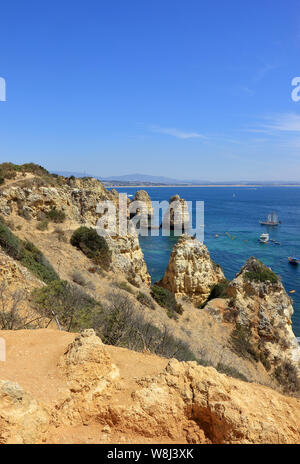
x=92, y=245
x=71, y=307
x=119, y=325
x=231, y=372
x=42, y=225
x=240, y=341
x=286, y=375
x=10, y=170
x=260, y=273
x=13, y=313
x=145, y=300
x=27, y=253
x=60, y=234
x=167, y=300
x=56, y=215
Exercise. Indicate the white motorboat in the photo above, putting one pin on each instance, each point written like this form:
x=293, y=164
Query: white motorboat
x=264, y=238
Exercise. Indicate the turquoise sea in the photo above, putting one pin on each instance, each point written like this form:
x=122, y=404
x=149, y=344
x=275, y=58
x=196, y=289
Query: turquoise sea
x=237, y=211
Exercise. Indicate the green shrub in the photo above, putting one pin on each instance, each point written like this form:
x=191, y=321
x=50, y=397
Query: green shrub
x=167, y=300
x=2, y=180
x=56, y=215
x=71, y=306
x=42, y=225
x=240, y=341
x=145, y=300
x=258, y=272
x=92, y=245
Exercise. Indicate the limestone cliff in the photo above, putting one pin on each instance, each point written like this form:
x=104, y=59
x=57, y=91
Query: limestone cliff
x=191, y=271
x=78, y=198
x=260, y=303
x=90, y=393
x=128, y=257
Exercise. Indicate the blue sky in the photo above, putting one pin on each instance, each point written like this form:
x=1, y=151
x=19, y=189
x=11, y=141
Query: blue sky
x=185, y=89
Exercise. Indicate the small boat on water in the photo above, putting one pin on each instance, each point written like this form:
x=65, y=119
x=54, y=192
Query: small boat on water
x=293, y=260
x=271, y=220
x=264, y=238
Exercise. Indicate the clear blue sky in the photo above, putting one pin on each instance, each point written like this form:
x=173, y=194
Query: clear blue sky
x=185, y=89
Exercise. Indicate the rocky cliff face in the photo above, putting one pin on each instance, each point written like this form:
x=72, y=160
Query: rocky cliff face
x=97, y=389
x=260, y=303
x=191, y=271
x=128, y=257
x=78, y=199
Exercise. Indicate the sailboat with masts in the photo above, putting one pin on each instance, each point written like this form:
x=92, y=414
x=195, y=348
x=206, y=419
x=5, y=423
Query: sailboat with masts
x=271, y=220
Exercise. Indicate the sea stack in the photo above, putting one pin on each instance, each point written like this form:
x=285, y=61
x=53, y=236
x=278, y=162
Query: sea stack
x=191, y=271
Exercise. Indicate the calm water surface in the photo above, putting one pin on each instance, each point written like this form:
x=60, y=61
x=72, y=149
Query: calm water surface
x=237, y=211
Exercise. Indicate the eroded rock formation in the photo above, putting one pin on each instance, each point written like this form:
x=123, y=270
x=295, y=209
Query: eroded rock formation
x=191, y=271
x=177, y=216
x=182, y=402
x=259, y=302
x=78, y=198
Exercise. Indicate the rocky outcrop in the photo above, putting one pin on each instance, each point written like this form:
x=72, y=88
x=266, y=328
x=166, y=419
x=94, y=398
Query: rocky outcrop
x=128, y=258
x=182, y=402
x=22, y=419
x=143, y=197
x=259, y=302
x=77, y=198
x=191, y=271
x=177, y=216
x=90, y=372
x=213, y=408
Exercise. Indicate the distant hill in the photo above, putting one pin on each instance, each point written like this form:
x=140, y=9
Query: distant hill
x=145, y=179
x=139, y=178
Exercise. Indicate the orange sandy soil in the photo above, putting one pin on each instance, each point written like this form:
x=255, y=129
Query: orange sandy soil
x=32, y=358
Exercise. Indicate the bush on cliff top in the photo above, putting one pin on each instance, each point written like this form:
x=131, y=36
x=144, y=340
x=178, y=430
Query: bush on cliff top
x=92, y=245
x=27, y=253
x=258, y=272
x=10, y=170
